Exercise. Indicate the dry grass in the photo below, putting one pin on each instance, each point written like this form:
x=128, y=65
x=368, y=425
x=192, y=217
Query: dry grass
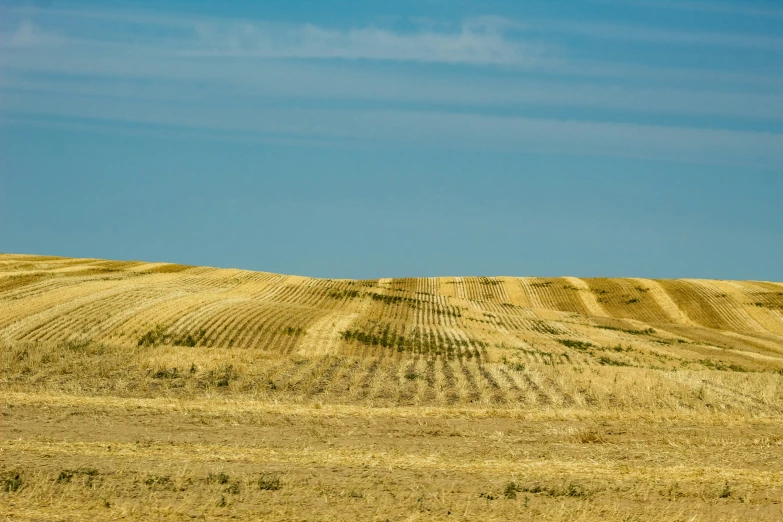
x=153, y=391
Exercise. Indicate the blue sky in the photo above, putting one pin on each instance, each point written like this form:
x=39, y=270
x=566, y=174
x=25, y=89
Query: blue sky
x=389, y=139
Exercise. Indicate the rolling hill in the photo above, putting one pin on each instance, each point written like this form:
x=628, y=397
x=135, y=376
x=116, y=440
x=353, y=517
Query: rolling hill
x=155, y=390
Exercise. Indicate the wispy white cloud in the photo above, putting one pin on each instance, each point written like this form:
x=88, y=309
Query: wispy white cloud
x=478, y=41
x=27, y=34
x=219, y=76
x=472, y=44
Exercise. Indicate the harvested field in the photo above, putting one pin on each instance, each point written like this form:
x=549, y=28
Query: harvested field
x=145, y=391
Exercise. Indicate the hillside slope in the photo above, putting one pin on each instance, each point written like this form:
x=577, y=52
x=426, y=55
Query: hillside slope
x=151, y=391
x=639, y=322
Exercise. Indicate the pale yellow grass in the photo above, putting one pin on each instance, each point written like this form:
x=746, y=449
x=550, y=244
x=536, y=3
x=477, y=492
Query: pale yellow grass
x=146, y=391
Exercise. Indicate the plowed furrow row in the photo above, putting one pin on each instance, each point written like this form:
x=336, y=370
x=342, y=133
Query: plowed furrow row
x=50, y=294
x=324, y=378
x=627, y=299
x=340, y=383
x=406, y=384
x=64, y=306
x=517, y=395
x=541, y=397
x=497, y=395
x=300, y=377
x=692, y=302
x=369, y=378
x=202, y=317
x=224, y=326
x=429, y=396
x=737, y=318
x=554, y=294
x=132, y=327
x=258, y=326
x=80, y=319
x=450, y=393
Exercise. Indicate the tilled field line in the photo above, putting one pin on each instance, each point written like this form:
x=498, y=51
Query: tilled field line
x=218, y=407
x=307, y=456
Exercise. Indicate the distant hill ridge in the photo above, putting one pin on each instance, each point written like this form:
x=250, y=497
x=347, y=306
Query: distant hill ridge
x=639, y=322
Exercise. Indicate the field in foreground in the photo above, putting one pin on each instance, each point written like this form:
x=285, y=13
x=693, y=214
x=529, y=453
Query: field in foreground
x=157, y=391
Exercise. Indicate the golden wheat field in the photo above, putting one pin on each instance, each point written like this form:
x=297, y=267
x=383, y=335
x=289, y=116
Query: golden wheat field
x=153, y=391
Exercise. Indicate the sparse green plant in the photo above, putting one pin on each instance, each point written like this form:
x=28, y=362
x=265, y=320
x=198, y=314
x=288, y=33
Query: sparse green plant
x=67, y=475
x=577, y=345
x=157, y=480
x=606, y=361
x=217, y=478
x=11, y=480
x=269, y=483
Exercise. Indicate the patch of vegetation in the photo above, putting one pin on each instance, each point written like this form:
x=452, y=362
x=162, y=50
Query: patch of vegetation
x=577, y=345
x=166, y=373
x=568, y=490
x=427, y=343
x=11, y=481
x=488, y=281
x=88, y=474
x=269, y=483
x=720, y=366
x=514, y=365
x=633, y=300
x=290, y=330
x=217, y=478
x=395, y=299
x=542, y=284
x=771, y=306
x=543, y=327
x=726, y=492
x=158, y=336
x=646, y=331
x=74, y=345
x=221, y=376
x=606, y=361
x=157, y=481
x=451, y=311
x=344, y=294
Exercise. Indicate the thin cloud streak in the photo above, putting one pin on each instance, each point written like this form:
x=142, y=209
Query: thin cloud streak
x=657, y=36
x=743, y=8
x=431, y=129
x=227, y=76
x=310, y=81
x=479, y=41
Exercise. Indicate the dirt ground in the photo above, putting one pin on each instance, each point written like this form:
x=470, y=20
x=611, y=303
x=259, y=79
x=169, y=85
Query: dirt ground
x=83, y=458
x=151, y=391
